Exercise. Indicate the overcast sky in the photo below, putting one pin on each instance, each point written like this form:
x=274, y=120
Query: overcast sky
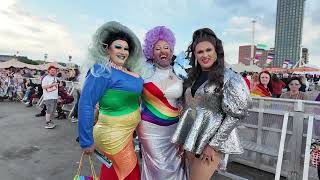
x=61, y=28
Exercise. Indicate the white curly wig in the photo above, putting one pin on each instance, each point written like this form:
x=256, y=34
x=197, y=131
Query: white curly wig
x=97, y=54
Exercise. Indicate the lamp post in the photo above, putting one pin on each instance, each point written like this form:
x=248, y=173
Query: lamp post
x=45, y=57
x=252, y=43
x=70, y=64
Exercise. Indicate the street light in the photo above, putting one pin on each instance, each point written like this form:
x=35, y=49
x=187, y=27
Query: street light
x=252, y=43
x=45, y=57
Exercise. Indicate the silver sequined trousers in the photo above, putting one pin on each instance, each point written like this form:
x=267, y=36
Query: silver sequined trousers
x=211, y=118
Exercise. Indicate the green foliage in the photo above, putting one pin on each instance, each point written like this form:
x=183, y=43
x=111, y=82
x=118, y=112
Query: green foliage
x=26, y=60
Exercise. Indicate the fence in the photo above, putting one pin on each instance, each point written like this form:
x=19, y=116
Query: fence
x=277, y=134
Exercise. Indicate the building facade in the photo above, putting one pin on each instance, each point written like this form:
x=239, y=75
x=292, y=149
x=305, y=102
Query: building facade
x=288, y=36
x=305, y=55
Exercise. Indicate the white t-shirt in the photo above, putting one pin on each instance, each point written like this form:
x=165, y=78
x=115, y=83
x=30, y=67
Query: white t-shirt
x=49, y=93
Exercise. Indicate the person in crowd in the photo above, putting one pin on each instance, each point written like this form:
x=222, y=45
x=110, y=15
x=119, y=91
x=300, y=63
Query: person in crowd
x=11, y=87
x=3, y=91
x=29, y=90
x=50, y=95
x=294, y=92
x=244, y=75
x=19, y=89
x=216, y=100
x=277, y=86
x=64, y=98
x=254, y=81
x=304, y=84
x=285, y=79
x=264, y=88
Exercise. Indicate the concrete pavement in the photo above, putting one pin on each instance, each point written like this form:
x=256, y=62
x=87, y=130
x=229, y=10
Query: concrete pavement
x=28, y=151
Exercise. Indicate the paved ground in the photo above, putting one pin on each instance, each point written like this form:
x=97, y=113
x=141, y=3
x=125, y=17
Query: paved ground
x=30, y=152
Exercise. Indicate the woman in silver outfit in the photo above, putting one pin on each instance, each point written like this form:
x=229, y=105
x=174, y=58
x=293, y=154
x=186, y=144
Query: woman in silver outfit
x=215, y=100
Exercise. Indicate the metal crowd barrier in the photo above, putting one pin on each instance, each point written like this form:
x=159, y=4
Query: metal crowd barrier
x=276, y=135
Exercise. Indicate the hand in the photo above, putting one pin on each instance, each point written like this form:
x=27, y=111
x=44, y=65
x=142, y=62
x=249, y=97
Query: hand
x=180, y=151
x=89, y=150
x=208, y=154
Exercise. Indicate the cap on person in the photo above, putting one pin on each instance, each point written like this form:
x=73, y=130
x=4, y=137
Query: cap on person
x=51, y=66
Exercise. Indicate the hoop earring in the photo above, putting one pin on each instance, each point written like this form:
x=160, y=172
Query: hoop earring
x=195, y=63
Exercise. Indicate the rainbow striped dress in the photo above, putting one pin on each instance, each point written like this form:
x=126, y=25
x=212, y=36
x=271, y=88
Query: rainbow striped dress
x=159, y=120
x=119, y=97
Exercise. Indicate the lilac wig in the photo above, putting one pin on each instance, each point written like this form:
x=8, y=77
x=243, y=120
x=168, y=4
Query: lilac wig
x=153, y=36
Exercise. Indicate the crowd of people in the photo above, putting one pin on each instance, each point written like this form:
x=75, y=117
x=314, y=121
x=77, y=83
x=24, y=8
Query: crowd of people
x=26, y=86
x=287, y=86
x=185, y=110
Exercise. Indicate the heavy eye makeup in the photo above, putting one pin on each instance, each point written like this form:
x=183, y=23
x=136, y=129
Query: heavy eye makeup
x=118, y=46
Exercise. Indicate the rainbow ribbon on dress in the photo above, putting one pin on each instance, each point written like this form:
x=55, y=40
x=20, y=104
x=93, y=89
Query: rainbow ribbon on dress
x=155, y=107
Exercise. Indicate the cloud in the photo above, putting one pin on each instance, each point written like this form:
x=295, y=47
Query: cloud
x=33, y=35
x=239, y=32
x=311, y=39
x=231, y=51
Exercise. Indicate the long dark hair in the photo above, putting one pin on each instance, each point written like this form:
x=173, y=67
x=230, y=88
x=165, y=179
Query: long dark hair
x=216, y=72
x=270, y=83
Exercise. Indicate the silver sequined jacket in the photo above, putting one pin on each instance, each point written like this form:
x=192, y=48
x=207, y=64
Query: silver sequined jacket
x=212, y=118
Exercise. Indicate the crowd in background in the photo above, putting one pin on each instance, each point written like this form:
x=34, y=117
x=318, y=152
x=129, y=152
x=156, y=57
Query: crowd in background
x=24, y=85
x=17, y=84
x=288, y=86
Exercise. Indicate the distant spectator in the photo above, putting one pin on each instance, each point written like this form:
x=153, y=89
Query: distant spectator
x=3, y=91
x=27, y=74
x=277, y=86
x=59, y=76
x=77, y=75
x=264, y=88
x=18, y=89
x=294, y=93
x=285, y=79
x=50, y=95
x=244, y=75
x=64, y=98
x=254, y=80
x=304, y=84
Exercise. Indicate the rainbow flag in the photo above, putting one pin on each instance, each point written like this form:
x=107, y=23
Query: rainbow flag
x=156, y=108
x=258, y=55
x=270, y=58
x=286, y=63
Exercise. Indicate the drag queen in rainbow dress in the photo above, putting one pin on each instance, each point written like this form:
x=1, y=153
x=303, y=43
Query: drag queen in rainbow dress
x=113, y=83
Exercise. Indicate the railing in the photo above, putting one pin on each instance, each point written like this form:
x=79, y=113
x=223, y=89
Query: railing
x=274, y=136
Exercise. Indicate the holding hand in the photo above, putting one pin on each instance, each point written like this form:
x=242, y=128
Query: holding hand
x=180, y=151
x=88, y=150
x=208, y=154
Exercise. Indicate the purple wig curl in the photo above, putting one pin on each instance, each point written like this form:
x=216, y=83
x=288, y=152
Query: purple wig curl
x=153, y=36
